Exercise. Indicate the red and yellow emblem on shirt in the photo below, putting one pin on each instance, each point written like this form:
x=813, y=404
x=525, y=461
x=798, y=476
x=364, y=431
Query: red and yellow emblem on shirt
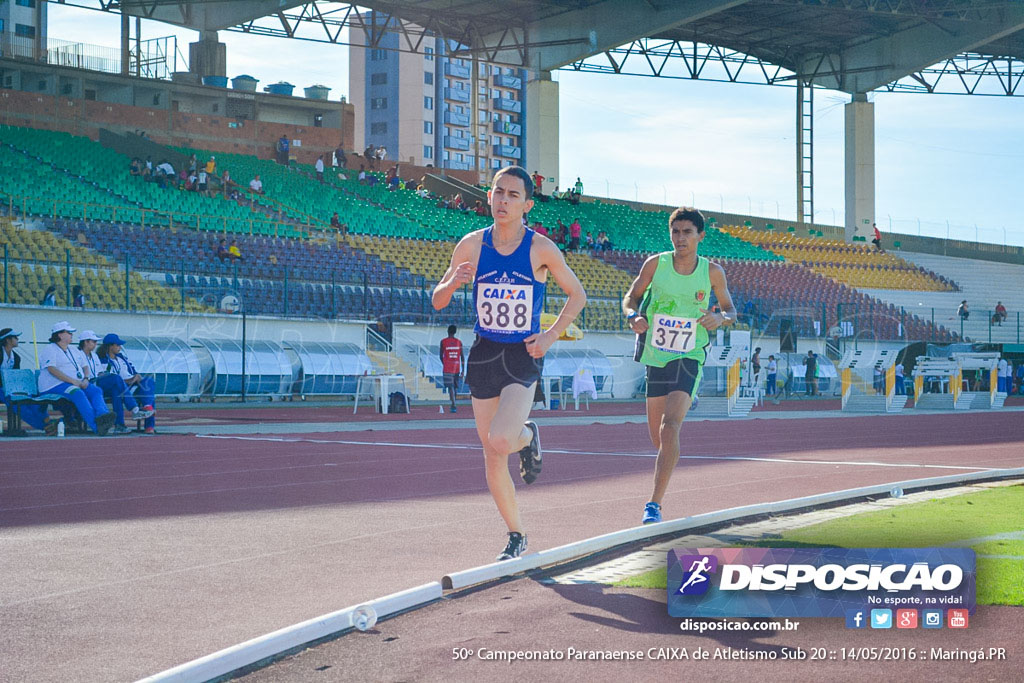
x=700, y=295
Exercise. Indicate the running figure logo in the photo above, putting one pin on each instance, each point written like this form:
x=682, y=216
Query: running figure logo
x=695, y=577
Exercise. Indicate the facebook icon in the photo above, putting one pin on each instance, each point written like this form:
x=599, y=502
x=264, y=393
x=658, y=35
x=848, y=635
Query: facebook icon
x=856, y=618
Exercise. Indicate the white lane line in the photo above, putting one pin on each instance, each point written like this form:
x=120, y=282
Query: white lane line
x=392, y=444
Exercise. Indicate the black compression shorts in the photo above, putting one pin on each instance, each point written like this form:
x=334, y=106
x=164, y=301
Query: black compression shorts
x=492, y=366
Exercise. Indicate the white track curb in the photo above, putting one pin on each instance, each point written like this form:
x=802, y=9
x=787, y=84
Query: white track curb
x=252, y=651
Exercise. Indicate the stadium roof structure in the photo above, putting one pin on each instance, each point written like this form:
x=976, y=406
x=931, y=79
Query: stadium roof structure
x=855, y=46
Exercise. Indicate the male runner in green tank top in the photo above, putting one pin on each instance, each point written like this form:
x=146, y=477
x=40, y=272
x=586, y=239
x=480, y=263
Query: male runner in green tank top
x=668, y=307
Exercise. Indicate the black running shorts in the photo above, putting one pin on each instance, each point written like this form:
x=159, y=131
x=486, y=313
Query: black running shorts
x=492, y=366
x=679, y=375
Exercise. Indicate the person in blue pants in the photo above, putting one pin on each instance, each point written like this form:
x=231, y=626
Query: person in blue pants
x=112, y=385
x=61, y=372
x=31, y=414
x=143, y=389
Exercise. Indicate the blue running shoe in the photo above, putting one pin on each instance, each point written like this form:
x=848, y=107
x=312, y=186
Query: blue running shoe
x=652, y=513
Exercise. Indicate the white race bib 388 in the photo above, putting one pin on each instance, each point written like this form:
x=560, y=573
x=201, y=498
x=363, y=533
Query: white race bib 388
x=504, y=307
x=677, y=335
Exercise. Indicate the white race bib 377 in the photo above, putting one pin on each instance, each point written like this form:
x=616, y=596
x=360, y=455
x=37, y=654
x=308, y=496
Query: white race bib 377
x=676, y=335
x=504, y=307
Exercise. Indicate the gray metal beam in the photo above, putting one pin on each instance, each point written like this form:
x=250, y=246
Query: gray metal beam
x=205, y=16
x=568, y=37
x=872, y=64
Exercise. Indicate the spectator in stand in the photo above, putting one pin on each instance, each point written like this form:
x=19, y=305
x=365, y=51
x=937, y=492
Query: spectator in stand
x=538, y=184
x=147, y=170
x=165, y=168
x=32, y=415
x=370, y=156
x=135, y=168
x=574, y=235
x=192, y=182
x=451, y=364
x=578, y=188
x=50, y=296
x=193, y=164
x=1000, y=314
x=211, y=166
x=877, y=241
x=773, y=374
x=480, y=210
x=234, y=252
x=222, y=251
x=142, y=389
x=901, y=389
x=229, y=186
x=339, y=156
x=338, y=225
x=963, y=311
x=283, y=153
x=539, y=228
x=61, y=372
x=362, y=174
x=879, y=380
x=319, y=166
x=201, y=182
x=382, y=154
x=811, y=374
x=77, y=297
x=602, y=242
x=588, y=241
x=256, y=185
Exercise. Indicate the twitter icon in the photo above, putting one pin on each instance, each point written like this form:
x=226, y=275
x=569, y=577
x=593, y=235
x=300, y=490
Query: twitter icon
x=881, y=618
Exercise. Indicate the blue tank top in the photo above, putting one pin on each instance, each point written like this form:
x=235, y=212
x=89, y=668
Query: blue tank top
x=506, y=297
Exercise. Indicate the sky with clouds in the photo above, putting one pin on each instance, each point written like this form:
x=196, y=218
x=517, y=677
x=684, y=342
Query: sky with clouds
x=945, y=164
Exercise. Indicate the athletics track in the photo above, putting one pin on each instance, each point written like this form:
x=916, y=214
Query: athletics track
x=125, y=557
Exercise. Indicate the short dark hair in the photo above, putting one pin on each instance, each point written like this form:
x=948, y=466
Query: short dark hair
x=687, y=214
x=516, y=172
x=451, y=330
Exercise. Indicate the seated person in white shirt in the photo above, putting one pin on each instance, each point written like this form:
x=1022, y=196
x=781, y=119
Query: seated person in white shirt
x=113, y=386
x=256, y=185
x=61, y=372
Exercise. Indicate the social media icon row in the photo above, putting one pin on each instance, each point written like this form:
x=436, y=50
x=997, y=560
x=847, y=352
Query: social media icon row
x=905, y=618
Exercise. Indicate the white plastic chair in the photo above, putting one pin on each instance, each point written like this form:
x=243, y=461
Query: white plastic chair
x=583, y=384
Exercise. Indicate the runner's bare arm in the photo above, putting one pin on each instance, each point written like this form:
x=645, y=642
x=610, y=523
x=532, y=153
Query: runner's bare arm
x=713, y=321
x=631, y=302
x=551, y=258
x=460, y=272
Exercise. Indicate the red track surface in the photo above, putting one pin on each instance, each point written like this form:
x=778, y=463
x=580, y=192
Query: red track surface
x=124, y=557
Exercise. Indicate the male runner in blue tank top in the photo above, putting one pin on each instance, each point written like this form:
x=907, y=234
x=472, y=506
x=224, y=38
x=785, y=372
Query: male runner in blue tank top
x=508, y=265
x=668, y=307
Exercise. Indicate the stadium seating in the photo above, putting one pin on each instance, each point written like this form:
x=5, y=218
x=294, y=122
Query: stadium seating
x=38, y=260
x=766, y=293
x=856, y=265
x=71, y=165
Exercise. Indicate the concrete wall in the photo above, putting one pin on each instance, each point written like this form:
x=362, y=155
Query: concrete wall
x=542, y=133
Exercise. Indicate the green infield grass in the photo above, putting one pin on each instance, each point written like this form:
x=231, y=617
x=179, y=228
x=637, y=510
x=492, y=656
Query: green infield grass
x=991, y=522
